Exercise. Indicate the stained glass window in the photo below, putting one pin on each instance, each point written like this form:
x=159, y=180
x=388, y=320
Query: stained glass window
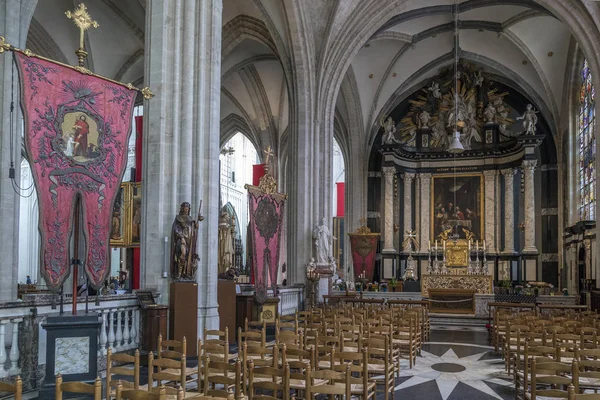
x=586, y=139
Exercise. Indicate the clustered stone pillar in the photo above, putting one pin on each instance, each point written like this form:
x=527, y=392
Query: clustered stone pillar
x=181, y=140
x=528, y=170
x=509, y=210
x=425, y=211
x=388, y=226
x=490, y=209
x=408, y=178
x=15, y=18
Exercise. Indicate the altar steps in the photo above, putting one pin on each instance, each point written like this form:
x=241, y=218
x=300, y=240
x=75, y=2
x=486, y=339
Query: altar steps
x=441, y=321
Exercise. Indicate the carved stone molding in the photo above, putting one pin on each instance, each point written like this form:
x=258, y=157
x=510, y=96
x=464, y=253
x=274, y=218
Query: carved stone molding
x=481, y=283
x=388, y=172
x=408, y=176
x=529, y=165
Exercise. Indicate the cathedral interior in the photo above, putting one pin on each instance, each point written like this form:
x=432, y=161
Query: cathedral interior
x=419, y=173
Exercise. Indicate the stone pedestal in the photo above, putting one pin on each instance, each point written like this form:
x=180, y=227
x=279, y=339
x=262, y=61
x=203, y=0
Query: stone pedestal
x=325, y=273
x=71, y=350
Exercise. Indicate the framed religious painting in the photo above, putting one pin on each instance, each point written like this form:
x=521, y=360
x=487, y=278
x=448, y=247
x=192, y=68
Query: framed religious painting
x=119, y=229
x=457, y=206
x=135, y=213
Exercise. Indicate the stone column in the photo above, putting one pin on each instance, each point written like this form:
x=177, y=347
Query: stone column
x=529, y=170
x=425, y=210
x=388, y=207
x=509, y=210
x=181, y=140
x=408, y=178
x=15, y=18
x=490, y=209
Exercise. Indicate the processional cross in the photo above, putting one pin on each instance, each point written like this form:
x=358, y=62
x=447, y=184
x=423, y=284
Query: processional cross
x=83, y=21
x=269, y=153
x=410, y=239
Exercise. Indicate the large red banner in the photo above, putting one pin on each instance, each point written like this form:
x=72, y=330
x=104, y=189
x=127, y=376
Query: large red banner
x=77, y=127
x=266, y=219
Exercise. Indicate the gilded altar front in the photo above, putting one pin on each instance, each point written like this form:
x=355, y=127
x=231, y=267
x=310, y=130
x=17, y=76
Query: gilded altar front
x=482, y=284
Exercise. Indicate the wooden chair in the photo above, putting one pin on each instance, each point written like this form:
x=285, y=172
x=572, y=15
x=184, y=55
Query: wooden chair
x=137, y=394
x=552, y=375
x=338, y=383
x=170, y=370
x=586, y=396
x=360, y=385
x=380, y=365
x=17, y=388
x=177, y=350
x=216, y=345
x=77, y=387
x=122, y=371
x=222, y=373
x=279, y=382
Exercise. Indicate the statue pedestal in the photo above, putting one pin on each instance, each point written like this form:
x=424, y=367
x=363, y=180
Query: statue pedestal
x=325, y=273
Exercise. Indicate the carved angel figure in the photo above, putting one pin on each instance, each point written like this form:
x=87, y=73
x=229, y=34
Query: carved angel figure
x=435, y=90
x=529, y=120
x=423, y=119
x=489, y=113
x=478, y=79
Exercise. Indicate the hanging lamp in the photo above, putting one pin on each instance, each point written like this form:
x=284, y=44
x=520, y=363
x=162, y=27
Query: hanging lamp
x=456, y=146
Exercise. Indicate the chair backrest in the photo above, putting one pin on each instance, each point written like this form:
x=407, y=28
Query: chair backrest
x=174, y=349
x=17, y=388
x=122, y=370
x=77, y=387
x=137, y=394
x=280, y=382
x=553, y=375
x=311, y=389
x=574, y=396
x=167, y=370
x=224, y=374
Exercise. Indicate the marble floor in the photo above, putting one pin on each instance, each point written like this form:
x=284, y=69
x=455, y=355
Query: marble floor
x=456, y=363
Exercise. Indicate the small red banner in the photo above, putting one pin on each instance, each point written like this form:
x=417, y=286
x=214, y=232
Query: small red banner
x=340, y=186
x=258, y=171
x=364, y=249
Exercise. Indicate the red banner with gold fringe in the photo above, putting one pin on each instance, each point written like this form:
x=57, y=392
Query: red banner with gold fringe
x=363, y=245
x=77, y=127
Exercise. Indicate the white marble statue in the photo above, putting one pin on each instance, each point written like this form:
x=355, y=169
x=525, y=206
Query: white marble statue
x=529, y=120
x=323, y=240
x=423, y=120
x=389, y=128
x=489, y=113
x=435, y=90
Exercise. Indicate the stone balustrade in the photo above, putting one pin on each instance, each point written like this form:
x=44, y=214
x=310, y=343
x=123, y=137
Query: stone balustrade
x=290, y=300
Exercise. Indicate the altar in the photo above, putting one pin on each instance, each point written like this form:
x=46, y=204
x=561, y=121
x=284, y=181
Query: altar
x=481, y=284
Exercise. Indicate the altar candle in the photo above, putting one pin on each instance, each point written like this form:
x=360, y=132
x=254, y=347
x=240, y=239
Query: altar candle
x=469, y=247
x=436, y=248
x=429, y=246
x=477, y=245
x=484, y=245
x=444, y=246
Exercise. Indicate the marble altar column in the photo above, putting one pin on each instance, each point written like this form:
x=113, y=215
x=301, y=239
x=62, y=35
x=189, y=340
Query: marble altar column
x=425, y=210
x=388, y=215
x=509, y=210
x=408, y=178
x=529, y=170
x=490, y=209
x=15, y=18
x=181, y=140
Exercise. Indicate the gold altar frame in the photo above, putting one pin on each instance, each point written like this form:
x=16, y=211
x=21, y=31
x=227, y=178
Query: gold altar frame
x=481, y=208
x=126, y=211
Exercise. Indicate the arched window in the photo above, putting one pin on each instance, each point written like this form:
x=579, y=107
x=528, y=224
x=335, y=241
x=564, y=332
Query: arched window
x=586, y=140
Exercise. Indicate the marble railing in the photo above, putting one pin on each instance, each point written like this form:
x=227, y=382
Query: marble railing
x=9, y=347
x=290, y=300
x=120, y=329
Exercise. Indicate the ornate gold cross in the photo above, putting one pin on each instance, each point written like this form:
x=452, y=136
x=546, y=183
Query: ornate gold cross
x=83, y=21
x=269, y=153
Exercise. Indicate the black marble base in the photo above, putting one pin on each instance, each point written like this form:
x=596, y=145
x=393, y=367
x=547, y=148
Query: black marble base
x=70, y=326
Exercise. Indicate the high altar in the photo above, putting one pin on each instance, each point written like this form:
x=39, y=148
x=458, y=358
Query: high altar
x=458, y=267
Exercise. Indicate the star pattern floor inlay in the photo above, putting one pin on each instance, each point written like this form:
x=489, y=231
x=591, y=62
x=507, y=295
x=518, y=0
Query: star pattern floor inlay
x=450, y=370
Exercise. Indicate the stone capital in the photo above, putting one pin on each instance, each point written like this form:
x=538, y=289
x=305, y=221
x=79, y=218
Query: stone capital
x=490, y=174
x=425, y=177
x=389, y=172
x=529, y=165
x=508, y=172
x=408, y=176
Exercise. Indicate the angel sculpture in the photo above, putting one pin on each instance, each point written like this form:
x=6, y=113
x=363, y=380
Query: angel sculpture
x=389, y=128
x=529, y=120
x=435, y=90
x=478, y=78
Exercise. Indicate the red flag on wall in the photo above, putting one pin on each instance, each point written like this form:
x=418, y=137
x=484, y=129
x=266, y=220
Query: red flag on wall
x=340, y=198
x=77, y=128
x=258, y=171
